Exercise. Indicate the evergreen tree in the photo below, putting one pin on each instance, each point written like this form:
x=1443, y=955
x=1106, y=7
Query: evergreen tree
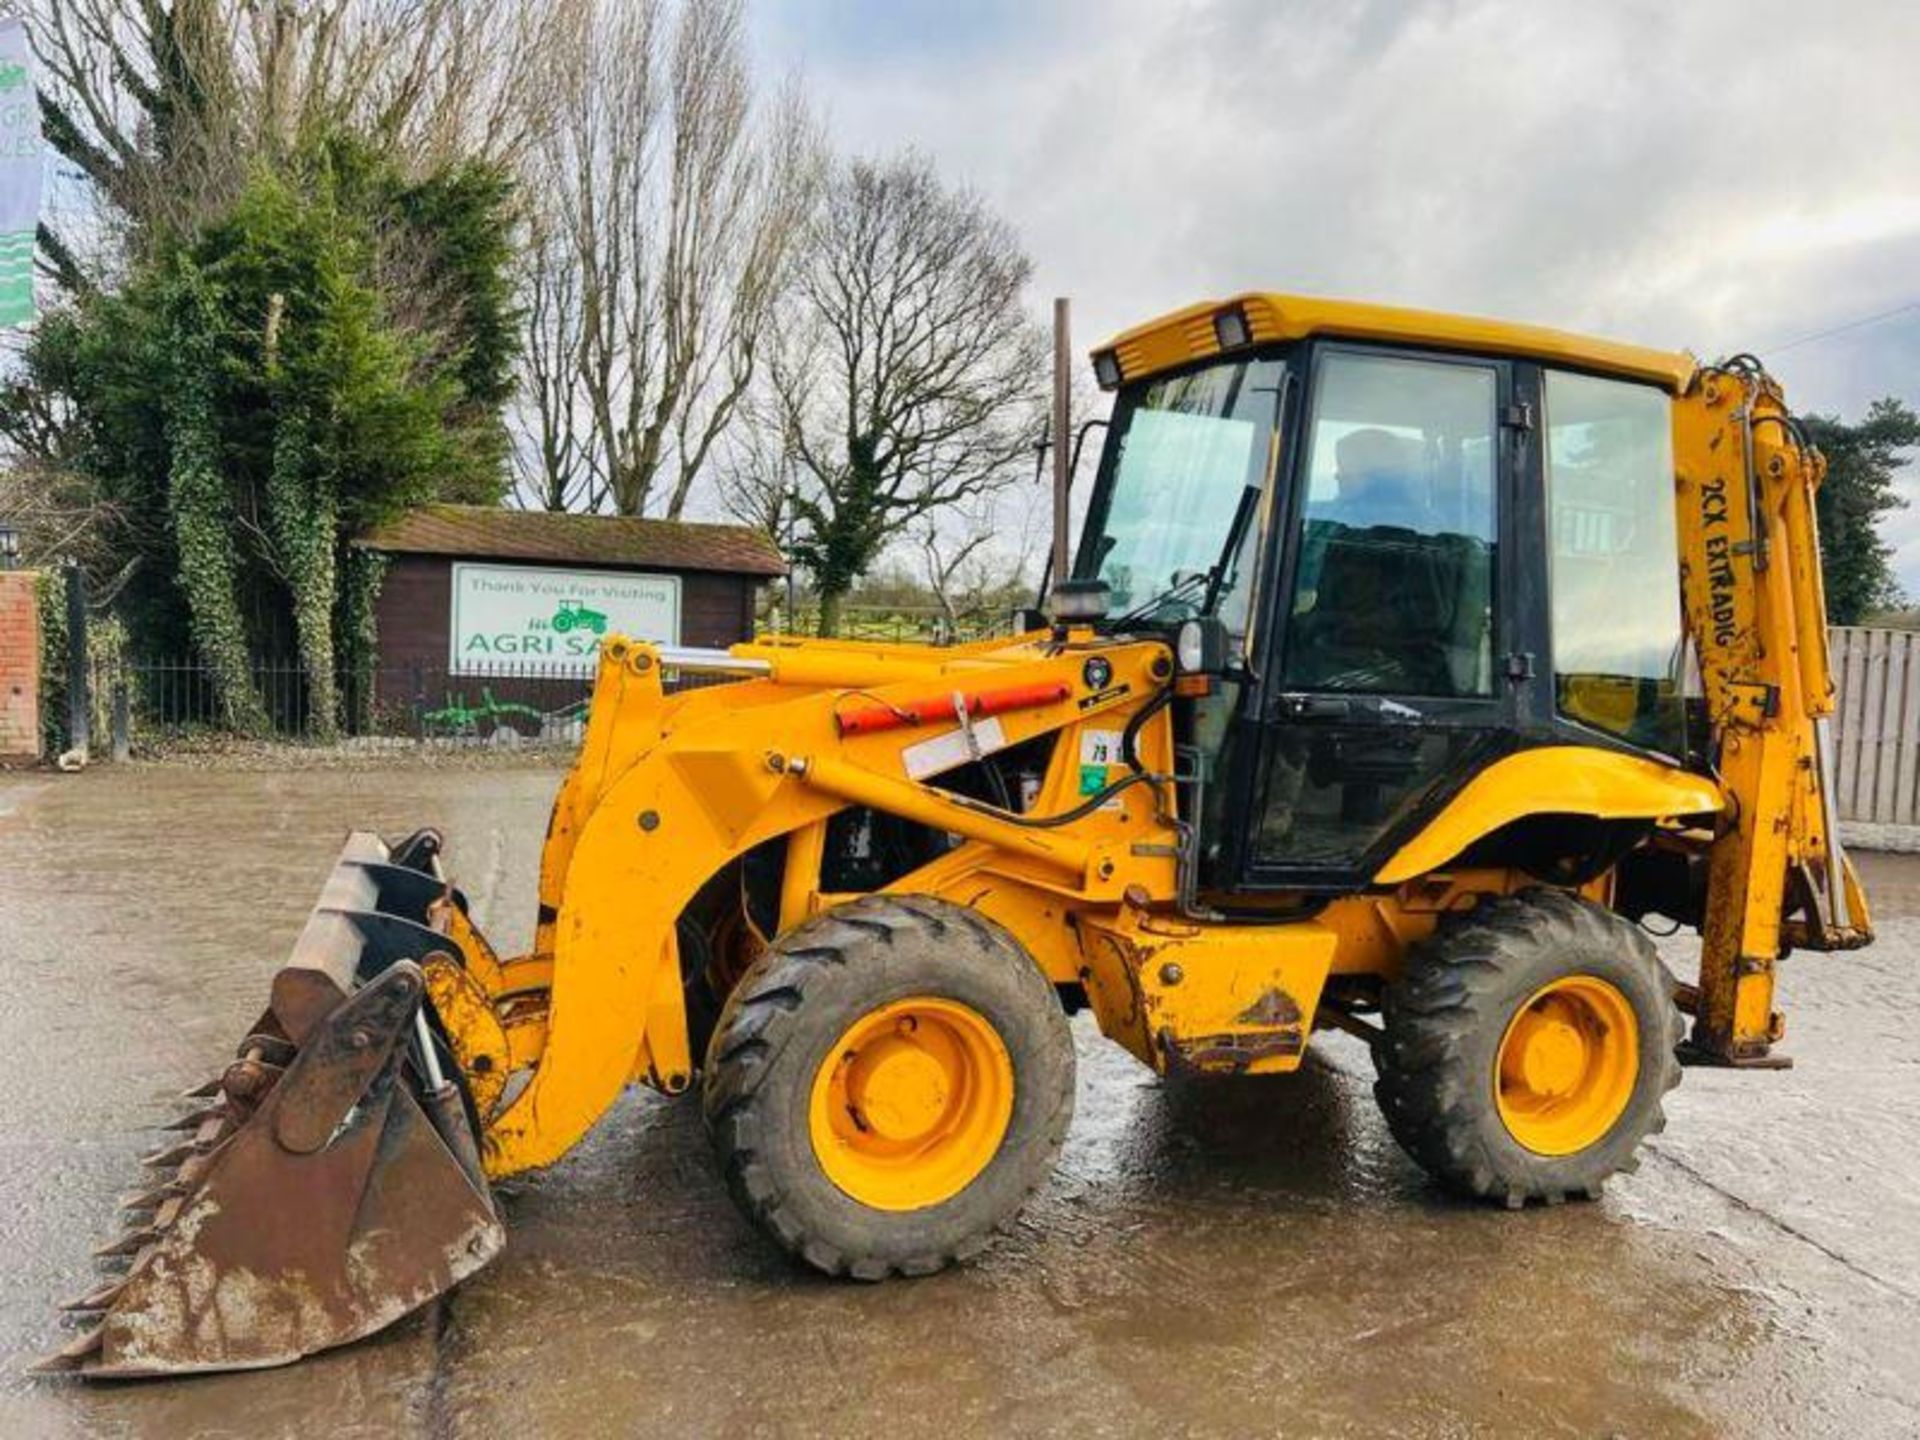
x=1862, y=463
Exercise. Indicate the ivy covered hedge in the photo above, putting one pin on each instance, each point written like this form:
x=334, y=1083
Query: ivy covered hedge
x=334, y=349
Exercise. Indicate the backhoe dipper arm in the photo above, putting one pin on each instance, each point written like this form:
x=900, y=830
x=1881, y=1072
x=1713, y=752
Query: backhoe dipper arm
x=1756, y=613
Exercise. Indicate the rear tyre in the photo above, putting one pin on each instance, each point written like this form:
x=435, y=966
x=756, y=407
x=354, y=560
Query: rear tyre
x=887, y=1085
x=1528, y=1047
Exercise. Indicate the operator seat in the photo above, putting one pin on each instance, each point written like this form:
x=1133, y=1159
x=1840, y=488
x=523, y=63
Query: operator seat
x=1398, y=605
x=1384, y=618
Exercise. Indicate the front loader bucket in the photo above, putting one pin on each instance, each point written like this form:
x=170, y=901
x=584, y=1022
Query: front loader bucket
x=328, y=1181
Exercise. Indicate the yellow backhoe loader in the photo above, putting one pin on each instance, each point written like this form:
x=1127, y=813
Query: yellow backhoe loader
x=1406, y=662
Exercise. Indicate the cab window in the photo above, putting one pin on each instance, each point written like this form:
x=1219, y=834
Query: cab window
x=1393, y=587
x=1614, y=560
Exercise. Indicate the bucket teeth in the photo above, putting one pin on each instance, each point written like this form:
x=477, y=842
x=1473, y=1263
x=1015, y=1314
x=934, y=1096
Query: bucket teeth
x=98, y=1298
x=132, y=1243
x=195, y=1119
x=154, y=1198
x=173, y=1156
x=74, y=1355
x=204, y=1090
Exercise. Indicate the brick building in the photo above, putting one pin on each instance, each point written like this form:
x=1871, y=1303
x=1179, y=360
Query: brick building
x=473, y=590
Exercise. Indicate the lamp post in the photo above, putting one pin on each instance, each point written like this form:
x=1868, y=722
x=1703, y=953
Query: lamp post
x=79, y=680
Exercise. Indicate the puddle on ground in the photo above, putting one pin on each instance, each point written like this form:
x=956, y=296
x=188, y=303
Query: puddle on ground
x=1213, y=1257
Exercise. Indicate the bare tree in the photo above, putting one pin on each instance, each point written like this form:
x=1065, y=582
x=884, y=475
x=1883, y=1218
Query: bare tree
x=953, y=569
x=553, y=461
x=982, y=561
x=758, y=476
x=675, y=201
x=909, y=377
x=165, y=106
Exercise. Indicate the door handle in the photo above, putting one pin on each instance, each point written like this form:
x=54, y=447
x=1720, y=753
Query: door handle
x=1315, y=707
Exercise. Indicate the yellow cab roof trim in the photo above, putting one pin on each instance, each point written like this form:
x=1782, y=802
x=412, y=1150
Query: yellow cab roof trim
x=1188, y=335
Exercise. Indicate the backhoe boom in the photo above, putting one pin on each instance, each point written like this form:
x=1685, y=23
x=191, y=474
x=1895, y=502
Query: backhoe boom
x=1750, y=582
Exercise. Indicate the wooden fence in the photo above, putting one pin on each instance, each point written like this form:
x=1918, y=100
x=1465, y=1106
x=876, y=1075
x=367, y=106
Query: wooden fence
x=1876, y=733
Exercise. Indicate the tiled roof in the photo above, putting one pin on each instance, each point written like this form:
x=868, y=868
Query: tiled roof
x=484, y=532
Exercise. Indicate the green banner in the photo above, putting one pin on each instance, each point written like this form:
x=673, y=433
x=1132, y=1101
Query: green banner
x=20, y=174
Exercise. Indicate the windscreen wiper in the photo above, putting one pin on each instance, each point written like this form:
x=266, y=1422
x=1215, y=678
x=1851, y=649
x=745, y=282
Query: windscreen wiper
x=1176, y=591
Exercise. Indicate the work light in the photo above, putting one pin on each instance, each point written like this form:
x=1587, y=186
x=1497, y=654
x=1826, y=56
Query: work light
x=1231, y=329
x=1078, y=602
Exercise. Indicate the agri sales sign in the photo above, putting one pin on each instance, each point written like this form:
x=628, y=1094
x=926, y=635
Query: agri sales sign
x=550, y=622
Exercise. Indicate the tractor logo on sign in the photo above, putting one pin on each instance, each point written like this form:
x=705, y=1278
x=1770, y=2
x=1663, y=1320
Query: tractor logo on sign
x=572, y=615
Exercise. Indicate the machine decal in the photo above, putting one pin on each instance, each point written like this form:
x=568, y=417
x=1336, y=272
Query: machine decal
x=1098, y=750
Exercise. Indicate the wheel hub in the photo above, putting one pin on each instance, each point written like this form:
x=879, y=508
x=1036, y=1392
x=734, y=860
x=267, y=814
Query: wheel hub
x=897, y=1089
x=1567, y=1065
x=1553, y=1057
x=912, y=1103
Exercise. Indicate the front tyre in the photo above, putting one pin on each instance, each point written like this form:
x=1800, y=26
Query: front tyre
x=1528, y=1046
x=887, y=1085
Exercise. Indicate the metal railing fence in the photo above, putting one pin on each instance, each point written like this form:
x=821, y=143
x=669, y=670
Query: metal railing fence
x=156, y=699
x=895, y=624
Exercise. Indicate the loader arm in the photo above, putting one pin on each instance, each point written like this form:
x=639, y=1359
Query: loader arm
x=669, y=790
x=1756, y=613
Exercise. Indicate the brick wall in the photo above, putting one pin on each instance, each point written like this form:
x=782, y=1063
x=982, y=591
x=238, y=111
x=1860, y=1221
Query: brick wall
x=19, y=667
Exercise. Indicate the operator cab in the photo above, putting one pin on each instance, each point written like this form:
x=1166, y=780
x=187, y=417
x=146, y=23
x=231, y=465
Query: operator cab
x=1414, y=561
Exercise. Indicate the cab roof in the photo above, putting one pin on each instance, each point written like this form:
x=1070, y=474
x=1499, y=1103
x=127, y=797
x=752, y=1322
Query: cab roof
x=1188, y=335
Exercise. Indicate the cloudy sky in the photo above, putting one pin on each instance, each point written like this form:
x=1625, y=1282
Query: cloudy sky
x=1708, y=176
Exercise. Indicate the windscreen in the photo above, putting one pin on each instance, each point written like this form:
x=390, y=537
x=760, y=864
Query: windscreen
x=1187, y=452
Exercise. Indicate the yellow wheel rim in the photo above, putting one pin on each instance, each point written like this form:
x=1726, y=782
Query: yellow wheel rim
x=912, y=1103
x=1567, y=1065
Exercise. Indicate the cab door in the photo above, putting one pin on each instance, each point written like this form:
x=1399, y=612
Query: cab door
x=1388, y=676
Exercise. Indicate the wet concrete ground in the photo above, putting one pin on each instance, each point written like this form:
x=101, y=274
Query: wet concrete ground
x=1233, y=1258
